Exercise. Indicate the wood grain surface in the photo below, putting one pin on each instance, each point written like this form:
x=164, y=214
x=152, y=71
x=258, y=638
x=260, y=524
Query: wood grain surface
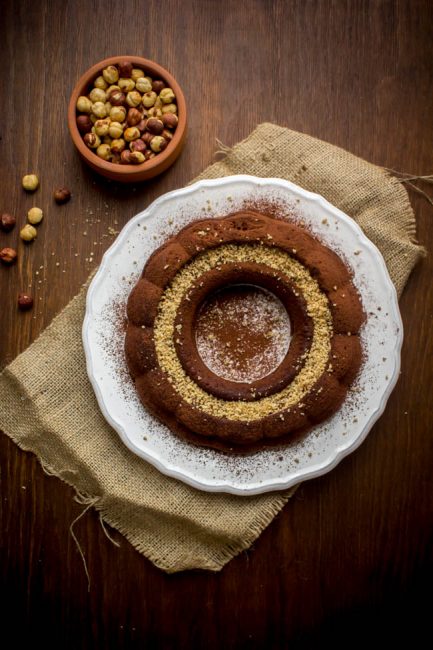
x=350, y=557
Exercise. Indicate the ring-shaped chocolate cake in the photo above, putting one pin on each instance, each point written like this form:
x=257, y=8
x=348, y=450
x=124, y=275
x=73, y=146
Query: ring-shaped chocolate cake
x=281, y=257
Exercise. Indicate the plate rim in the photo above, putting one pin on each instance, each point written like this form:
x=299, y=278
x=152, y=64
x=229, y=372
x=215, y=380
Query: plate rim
x=274, y=484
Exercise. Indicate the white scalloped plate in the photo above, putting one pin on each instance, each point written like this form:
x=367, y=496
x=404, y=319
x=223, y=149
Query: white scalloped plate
x=274, y=469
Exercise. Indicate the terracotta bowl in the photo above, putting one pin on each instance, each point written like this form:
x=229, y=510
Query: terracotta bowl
x=150, y=168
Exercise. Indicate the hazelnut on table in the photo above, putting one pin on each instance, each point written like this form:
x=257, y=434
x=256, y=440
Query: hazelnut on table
x=30, y=182
x=8, y=255
x=62, y=195
x=28, y=233
x=25, y=301
x=35, y=215
x=7, y=222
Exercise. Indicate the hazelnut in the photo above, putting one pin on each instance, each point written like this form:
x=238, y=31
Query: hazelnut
x=115, y=130
x=158, y=103
x=107, y=140
x=104, y=151
x=93, y=118
x=84, y=123
x=92, y=140
x=118, y=145
x=133, y=98
x=108, y=107
x=125, y=68
x=110, y=74
x=147, y=137
x=7, y=222
x=117, y=98
x=118, y=114
x=149, y=99
x=126, y=85
x=28, y=233
x=170, y=120
x=111, y=89
x=35, y=216
x=143, y=85
x=125, y=157
x=30, y=182
x=168, y=135
x=98, y=95
x=98, y=109
x=149, y=154
x=158, y=143
x=62, y=195
x=8, y=255
x=100, y=83
x=154, y=112
x=167, y=96
x=115, y=158
x=141, y=126
x=134, y=116
x=137, y=145
x=136, y=158
x=131, y=134
x=84, y=105
x=136, y=74
x=157, y=85
x=102, y=126
x=169, y=108
x=24, y=301
x=155, y=126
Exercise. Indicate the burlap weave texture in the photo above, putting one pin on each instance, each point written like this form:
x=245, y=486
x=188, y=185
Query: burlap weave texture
x=47, y=405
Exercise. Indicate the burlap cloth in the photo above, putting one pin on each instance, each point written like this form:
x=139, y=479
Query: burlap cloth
x=48, y=406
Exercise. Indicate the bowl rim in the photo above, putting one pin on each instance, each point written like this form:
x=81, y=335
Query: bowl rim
x=88, y=154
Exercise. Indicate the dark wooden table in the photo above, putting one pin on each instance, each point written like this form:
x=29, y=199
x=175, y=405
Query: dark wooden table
x=350, y=556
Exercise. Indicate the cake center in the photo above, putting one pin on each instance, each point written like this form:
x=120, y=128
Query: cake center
x=242, y=333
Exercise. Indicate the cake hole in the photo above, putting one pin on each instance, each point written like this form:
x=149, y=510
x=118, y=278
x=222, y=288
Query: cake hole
x=242, y=333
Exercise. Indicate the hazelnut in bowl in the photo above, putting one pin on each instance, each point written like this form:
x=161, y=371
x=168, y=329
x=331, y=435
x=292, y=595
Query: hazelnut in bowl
x=127, y=118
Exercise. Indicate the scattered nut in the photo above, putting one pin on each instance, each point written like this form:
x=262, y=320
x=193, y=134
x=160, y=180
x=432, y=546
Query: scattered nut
x=30, y=182
x=25, y=301
x=35, y=216
x=158, y=143
x=110, y=74
x=8, y=255
x=28, y=233
x=62, y=195
x=7, y=222
x=167, y=96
